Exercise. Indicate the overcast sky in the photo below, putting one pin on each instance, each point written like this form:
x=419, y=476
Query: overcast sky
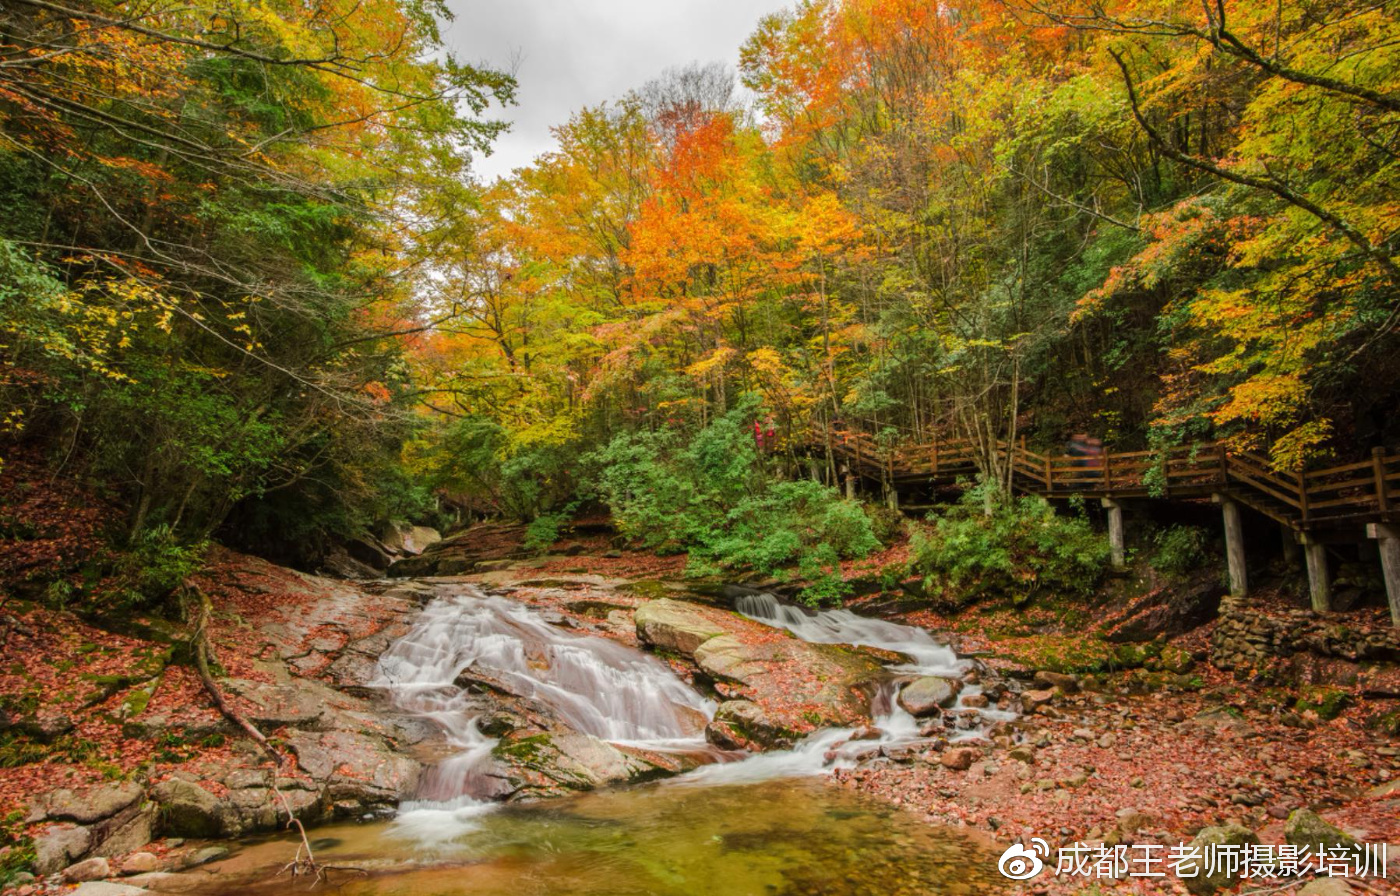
x=574, y=53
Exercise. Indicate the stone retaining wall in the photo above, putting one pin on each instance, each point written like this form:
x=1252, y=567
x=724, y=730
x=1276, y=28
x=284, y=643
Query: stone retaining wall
x=1247, y=639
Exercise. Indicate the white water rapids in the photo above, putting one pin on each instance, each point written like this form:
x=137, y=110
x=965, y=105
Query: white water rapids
x=613, y=692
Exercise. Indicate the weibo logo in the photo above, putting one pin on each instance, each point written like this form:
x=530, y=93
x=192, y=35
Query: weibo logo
x=1020, y=863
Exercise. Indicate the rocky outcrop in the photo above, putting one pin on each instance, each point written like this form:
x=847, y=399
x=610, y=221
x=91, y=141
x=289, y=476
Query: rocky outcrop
x=348, y=748
x=464, y=553
x=675, y=625
x=1171, y=609
x=743, y=725
x=793, y=685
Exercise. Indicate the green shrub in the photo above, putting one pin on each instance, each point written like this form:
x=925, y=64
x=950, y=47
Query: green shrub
x=1180, y=549
x=709, y=493
x=543, y=531
x=1022, y=547
x=155, y=567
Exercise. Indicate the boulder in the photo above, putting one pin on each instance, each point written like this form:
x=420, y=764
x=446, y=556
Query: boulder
x=402, y=538
x=59, y=847
x=958, y=759
x=1306, y=828
x=188, y=810
x=551, y=763
x=1171, y=610
x=743, y=725
x=130, y=829
x=418, y=538
x=674, y=625
x=1033, y=700
x=340, y=564
x=1220, y=878
x=88, y=806
x=277, y=706
x=86, y=870
x=1067, y=684
x=927, y=695
x=1130, y=821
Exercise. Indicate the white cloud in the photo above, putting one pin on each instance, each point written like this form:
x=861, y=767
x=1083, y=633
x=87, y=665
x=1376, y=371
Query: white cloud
x=576, y=53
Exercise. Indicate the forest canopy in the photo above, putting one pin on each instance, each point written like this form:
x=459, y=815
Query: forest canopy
x=253, y=228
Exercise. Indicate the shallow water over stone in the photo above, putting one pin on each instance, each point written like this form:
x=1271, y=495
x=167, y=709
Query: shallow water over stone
x=776, y=838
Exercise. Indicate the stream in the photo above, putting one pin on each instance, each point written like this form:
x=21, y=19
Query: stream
x=740, y=825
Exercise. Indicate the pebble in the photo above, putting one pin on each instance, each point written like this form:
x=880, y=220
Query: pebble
x=205, y=856
x=86, y=870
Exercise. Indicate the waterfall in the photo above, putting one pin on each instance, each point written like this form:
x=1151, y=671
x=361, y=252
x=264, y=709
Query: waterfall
x=844, y=627
x=833, y=748
x=594, y=685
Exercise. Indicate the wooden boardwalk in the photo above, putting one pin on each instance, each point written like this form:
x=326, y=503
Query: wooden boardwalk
x=1350, y=502
x=1351, y=494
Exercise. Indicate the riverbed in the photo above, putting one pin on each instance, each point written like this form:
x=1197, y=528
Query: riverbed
x=787, y=836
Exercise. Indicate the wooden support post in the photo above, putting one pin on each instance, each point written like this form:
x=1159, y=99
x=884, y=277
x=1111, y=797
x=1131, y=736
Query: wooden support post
x=1234, y=545
x=1116, y=544
x=1319, y=583
x=1388, y=540
x=850, y=483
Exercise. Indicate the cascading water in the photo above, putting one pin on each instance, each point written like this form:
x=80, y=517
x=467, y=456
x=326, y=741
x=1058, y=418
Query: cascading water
x=596, y=686
x=834, y=748
x=844, y=627
x=619, y=694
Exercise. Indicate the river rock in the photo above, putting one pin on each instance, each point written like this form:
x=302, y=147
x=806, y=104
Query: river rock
x=1306, y=828
x=552, y=763
x=927, y=695
x=86, y=870
x=958, y=759
x=742, y=725
x=674, y=625
x=205, y=855
x=130, y=829
x=1203, y=884
x=106, y=888
x=140, y=863
x=1067, y=684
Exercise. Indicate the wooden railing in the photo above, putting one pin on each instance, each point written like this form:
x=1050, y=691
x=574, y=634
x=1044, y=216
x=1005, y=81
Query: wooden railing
x=1362, y=491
